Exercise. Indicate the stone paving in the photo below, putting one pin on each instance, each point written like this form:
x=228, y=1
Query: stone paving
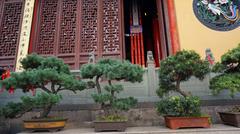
x=215, y=129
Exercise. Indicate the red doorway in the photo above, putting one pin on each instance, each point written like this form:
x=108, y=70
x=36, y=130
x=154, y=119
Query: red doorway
x=142, y=32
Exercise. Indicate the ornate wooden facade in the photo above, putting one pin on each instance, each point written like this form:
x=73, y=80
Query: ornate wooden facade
x=10, y=24
x=69, y=29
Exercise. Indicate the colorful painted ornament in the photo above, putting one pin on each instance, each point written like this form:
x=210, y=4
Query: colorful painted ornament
x=221, y=15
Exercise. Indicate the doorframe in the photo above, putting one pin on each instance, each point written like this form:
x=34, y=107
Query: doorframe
x=172, y=26
x=168, y=31
x=162, y=27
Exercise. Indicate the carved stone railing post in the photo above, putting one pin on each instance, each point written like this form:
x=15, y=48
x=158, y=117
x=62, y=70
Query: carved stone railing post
x=151, y=74
x=91, y=58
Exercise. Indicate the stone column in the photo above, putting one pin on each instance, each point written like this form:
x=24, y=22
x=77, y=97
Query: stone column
x=151, y=74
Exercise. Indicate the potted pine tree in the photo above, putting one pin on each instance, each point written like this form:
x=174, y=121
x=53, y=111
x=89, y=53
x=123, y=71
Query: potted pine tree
x=111, y=71
x=48, y=75
x=184, y=111
x=228, y=78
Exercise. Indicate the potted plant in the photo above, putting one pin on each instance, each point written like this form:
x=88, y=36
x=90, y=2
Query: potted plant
x=49, y=75
x=4, y=124
x=16, y=110
x=228, y=78
x=181, y=111
x=111, y=71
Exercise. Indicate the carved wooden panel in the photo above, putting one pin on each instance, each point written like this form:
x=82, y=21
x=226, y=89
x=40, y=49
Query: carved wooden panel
x=48, y=16
x=1, y=4
x=10, y=28
x=89, y=25
x=11, y=14
x=111, y=20
x=71, y=29
x=68, y=27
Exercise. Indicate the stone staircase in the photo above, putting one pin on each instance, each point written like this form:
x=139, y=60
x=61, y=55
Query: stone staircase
x=215, y=129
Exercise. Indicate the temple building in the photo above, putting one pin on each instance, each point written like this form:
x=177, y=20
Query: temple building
x=143, y=32
x=123, y=29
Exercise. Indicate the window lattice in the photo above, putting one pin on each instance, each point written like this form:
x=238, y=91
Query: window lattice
x=89, y=25
x=10, y=28
x=111, y=26
x=68, y=26
x=47, y=27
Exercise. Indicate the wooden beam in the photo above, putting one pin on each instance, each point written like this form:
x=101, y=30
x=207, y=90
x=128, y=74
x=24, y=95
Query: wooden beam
x=33, y=27
x=173, y=26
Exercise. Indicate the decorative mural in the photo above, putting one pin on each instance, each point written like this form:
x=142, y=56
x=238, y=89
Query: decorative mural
x=221, y=15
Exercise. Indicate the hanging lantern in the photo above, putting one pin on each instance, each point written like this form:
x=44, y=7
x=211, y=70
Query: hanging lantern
x=6, y=74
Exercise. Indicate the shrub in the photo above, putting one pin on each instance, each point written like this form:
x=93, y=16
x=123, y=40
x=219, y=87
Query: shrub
x=174, y=70
x=228, y=70
x=178, y=68
x=179, y=106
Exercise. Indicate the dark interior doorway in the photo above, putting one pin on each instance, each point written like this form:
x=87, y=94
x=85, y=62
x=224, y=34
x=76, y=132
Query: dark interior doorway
x=141, y=31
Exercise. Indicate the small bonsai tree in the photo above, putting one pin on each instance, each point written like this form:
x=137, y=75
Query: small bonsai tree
x=174, y=70
x=178, y=68
x=112, y=71
x=50, y=75
x=228, y=70
x=42, y=100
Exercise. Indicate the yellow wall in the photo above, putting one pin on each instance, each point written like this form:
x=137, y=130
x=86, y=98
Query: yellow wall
x=193, y=35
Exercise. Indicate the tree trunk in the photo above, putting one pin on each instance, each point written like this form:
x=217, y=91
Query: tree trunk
x=112, y=91
x=46, y=111
x=20, y=114
x=98, y=85
x=178, y=89
x=185, y=94
x=53, y=87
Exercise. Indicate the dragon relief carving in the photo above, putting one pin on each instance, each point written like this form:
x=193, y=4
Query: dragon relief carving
x=220, y=15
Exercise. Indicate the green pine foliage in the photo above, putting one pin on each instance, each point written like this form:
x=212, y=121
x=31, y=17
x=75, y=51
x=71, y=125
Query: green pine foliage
x=40, y=72
x=228, y=70
x=112, y=71
x=48, y=74
x=11, y=110
x=15, y=110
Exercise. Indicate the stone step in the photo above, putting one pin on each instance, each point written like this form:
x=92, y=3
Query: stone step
x=215, y=129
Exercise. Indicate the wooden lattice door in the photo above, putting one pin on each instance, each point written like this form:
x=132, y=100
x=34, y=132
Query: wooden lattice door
x=10, y=24
x=71, y=29
x=112, y=46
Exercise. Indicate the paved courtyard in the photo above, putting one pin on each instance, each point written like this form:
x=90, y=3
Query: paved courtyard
x=215, y=129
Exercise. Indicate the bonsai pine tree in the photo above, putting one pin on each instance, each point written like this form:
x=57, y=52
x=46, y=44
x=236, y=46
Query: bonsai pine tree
x=112, y=71
x=178, y=68
x=174, y=70
x=50, y=75
x=229, y=73
x=42, y=100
